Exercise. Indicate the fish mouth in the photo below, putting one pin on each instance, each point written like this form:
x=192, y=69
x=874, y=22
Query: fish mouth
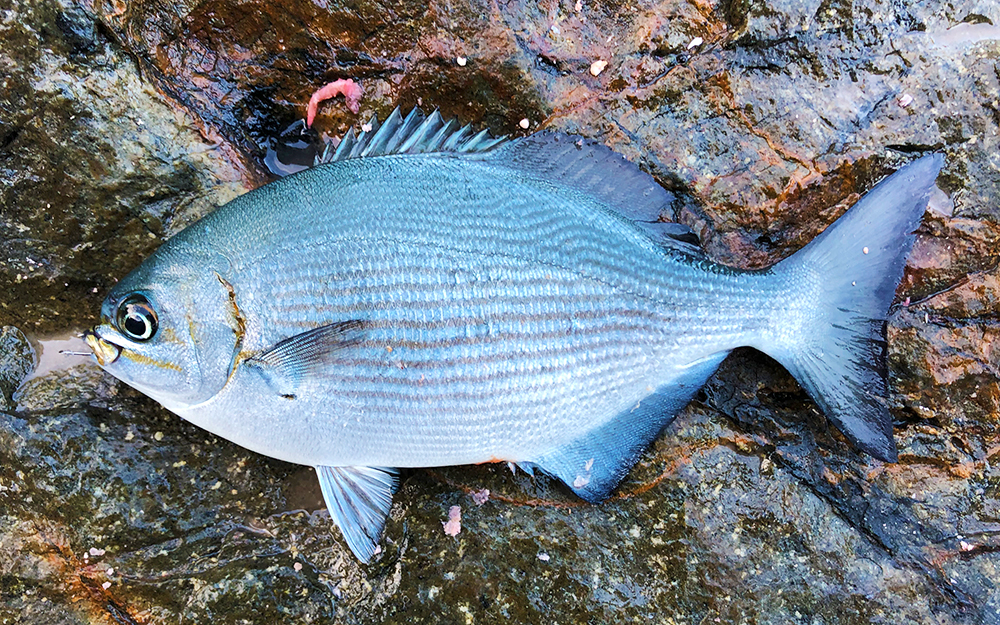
x=105, y=352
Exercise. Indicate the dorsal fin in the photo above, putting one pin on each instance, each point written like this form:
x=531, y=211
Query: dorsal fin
x=596, y=170
x=415, y=134
x=590, y=167
x=575, y=162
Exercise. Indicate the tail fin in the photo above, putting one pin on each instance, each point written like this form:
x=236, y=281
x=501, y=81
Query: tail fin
x=850, y=272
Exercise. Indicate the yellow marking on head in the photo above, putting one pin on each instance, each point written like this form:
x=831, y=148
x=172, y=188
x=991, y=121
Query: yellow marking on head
x=241, y=325
x=168, y=335
x=146, y=360
x=192, y=326
x=105, y=352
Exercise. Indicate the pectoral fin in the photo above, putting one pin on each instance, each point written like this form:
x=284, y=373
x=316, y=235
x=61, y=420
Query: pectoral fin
x=289, y=362
x=359, y=499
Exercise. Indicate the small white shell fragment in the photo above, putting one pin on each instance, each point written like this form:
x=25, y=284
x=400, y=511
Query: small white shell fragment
x=580, y=481
x=110, y=572
x=94, y=551
x=544, y=557
x=697, y=41
x=905, y=100
x=461, y=61
x=524, y=123
x=106, y=585
x=366, y=127
x=481, y=496
x=597, y=67
x=297, y=566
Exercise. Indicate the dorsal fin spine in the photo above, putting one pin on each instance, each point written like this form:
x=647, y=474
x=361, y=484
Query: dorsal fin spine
x=456, y=139
x=426, y=129
x=360, y=141
x=344, y=149
x=429, y=125
x=399, y=134
x=383, y=134
x=416, y=134
x=481, y=138
x=442, y=135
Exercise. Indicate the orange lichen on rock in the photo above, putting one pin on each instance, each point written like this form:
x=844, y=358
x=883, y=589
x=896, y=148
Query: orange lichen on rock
x=81, y=581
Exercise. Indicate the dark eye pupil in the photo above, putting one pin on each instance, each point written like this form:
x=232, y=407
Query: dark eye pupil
x=136, y=325
x=136, y=318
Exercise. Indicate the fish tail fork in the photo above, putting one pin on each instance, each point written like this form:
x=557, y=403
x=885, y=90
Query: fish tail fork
x=833, y=339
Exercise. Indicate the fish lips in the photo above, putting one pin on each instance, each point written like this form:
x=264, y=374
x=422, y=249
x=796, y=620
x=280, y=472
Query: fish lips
x=105, y=351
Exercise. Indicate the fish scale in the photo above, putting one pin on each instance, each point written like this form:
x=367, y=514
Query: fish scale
x=638, y=268
x=474, y=300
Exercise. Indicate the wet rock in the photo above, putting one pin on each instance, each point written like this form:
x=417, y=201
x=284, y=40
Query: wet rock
x=246, y=70
x=97, y=167
x=17, y=361
x=122, y=122
x=74, y=386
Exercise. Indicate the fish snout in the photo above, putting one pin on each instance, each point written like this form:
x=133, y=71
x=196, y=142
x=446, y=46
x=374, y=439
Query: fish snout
x=105, y=352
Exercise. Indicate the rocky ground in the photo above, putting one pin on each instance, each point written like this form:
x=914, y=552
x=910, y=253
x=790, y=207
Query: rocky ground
x=122, y=122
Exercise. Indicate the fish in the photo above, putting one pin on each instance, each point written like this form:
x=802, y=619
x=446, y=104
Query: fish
x=432, y=296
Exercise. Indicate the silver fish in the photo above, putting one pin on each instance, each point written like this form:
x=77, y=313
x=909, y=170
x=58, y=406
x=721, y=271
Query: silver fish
x=432, y=297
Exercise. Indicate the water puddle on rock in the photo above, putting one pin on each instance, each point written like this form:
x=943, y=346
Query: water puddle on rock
x=59, y=352
x=965, y=34
x=302, y=491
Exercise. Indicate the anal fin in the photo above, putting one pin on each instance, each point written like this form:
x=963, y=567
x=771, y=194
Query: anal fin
x=359, y=499
x=594, y=464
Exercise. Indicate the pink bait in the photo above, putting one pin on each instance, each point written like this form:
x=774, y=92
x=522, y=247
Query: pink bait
x=348, y=88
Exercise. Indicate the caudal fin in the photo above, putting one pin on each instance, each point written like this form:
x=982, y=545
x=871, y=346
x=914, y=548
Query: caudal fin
x=850, y=273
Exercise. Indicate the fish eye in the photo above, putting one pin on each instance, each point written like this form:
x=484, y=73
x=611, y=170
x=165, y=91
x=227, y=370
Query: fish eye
x=136, y=318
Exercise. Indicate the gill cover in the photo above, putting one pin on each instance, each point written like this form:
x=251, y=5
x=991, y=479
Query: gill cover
x=172, y=328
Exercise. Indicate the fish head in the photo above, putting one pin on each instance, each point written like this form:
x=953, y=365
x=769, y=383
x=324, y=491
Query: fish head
x=168, y=330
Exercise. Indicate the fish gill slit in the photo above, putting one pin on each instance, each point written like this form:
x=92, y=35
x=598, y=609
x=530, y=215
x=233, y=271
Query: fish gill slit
x=239, y=330
x=241, y=325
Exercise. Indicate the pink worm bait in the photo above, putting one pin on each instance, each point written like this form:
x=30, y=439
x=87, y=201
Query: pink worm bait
x=346, y=87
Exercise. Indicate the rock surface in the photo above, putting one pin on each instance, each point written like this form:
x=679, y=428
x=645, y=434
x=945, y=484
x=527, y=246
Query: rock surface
x=122, y=122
